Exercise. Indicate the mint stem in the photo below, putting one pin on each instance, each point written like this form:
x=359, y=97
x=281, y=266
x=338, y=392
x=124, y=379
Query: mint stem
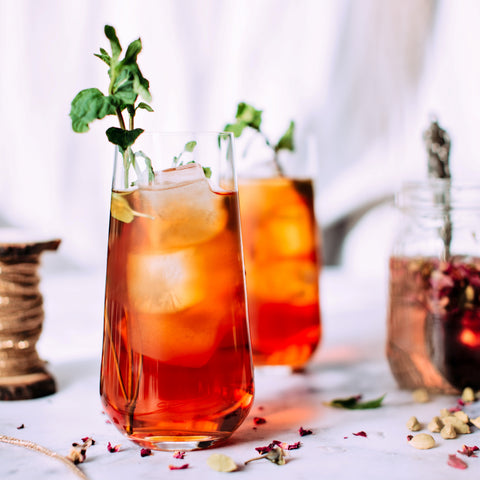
x=278, y=166
x=120, y=119
x=276, y=161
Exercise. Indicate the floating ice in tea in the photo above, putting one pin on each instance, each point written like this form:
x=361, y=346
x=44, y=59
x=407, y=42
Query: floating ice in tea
x=176, y=363
x=280, y=240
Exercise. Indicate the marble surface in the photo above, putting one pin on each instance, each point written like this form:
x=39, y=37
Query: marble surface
x=350, y=361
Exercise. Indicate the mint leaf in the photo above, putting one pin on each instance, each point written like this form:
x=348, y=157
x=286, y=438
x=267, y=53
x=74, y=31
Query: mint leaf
x=249, y=115
x=132, y=52
x=354, y=403
x=145, y=106
x=114, y=42
x=126, y=84
x=235, y=128
x=123, y=138
x=286, y=142
x=125, y=94
x=189, y=146
x=89, y=105
x=148, y=164
x=141, y=85
x=103, y=55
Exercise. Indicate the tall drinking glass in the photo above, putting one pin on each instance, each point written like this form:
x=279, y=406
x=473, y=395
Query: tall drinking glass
x=176, y=369
x=282, y=248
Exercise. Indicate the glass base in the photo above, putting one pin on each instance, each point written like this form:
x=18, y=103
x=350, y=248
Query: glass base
x=186, y=443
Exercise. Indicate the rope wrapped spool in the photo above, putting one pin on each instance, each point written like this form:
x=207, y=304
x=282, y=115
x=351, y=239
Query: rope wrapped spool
x=22, y=372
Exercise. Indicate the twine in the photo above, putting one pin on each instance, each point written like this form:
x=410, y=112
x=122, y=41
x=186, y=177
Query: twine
x=45, y=451
x=21, y=307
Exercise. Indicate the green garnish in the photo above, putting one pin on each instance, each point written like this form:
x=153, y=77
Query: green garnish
x=249, y=117
x=355, y=403
x=121, y=210
x=127, y=84
x=189, y=147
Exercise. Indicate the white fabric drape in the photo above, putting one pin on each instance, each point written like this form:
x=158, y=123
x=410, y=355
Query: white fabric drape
x=359, y=77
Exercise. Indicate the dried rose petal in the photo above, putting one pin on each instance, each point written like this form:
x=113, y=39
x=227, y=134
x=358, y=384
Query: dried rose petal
x=20, y=426
x=180, y=467
x=455, y=462
x=468, y=451
x=113, y=449
x=409, y=437
x=259, y=420
x=268, y=448
x=439, y=281
x=263, y=450
x=360, y=434
x=179, y=454
x=302, y=431
x=145, y=452
x=454, y=409
x=89, y=440
x=294, y=446
x=275, y=455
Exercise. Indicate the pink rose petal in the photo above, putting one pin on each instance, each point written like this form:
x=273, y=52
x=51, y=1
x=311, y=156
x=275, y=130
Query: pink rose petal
x=455, y=462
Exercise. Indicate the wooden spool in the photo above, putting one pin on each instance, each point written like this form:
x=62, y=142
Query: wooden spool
x=22, y=373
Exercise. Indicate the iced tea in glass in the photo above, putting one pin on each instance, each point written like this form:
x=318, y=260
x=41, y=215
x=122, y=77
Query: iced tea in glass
x=282, y=260
x=176, y=368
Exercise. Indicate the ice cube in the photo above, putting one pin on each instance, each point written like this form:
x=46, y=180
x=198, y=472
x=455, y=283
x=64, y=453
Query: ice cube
x=180, y=175
x=170, y=316
x=287, y=232
x=184, y=209
x=288, y=281
x=164, y=283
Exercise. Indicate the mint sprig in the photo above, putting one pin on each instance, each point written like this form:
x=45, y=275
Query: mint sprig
x=355, y=403
x=127, y=85
x=248, y=116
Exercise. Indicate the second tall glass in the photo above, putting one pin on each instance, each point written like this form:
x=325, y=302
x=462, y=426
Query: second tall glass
x=281, y=243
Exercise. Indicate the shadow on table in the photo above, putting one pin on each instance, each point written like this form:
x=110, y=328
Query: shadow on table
x=290, y=401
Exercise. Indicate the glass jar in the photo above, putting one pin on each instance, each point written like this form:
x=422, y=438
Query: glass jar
x=433, y=331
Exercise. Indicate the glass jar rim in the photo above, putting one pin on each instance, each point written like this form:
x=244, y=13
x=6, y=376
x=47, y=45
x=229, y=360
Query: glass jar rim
x=438, y=193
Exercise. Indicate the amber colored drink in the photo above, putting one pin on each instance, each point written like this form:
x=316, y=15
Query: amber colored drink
x=434, y=323
x=176, y=369
x=282, y=261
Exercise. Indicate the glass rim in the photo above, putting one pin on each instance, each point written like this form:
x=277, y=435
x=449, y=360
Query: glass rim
x=438, y=193
x=174, y=133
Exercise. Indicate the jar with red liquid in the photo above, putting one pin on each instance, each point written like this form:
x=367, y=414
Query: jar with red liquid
x=433, y=317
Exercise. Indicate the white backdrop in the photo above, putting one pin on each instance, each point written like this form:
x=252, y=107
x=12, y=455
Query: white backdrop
x=360, y=77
